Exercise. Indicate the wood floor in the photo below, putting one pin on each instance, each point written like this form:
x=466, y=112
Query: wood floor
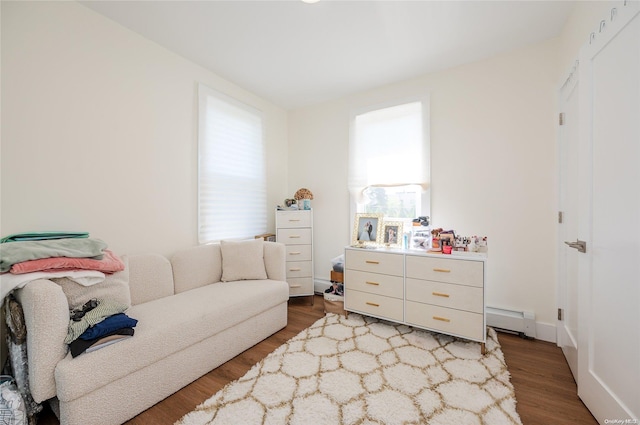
x=545, y=389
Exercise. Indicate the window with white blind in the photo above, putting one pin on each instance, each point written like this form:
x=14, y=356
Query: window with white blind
x=232, y=192
x=389, y=169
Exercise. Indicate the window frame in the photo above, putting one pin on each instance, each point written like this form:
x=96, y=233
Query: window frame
x=425, y=198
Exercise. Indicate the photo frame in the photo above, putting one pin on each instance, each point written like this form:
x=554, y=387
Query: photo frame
x=367, y=229
x=392, y=233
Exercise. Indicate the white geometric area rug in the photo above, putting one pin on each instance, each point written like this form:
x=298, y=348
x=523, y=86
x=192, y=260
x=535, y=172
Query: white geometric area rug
x=363, y=370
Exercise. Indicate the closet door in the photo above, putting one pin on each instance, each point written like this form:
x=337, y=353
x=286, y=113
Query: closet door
x=568, y=160
x=609, y=271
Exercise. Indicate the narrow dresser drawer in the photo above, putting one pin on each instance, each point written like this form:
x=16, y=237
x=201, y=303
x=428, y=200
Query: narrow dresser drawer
x=446, y=320
x=375, y=305
x=463, y=272
x=298, y=269
x=376, y=262
x=293, y=219
x=374, y=283
x=298, y=253
x=300, y=285
x=460, y=297
x=294, y=236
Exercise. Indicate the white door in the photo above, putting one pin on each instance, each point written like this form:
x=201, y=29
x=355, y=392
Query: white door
x=567, y=326
x=609, y=200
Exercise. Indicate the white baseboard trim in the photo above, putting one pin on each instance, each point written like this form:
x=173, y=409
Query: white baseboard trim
x=546, y=332
x=321, y=285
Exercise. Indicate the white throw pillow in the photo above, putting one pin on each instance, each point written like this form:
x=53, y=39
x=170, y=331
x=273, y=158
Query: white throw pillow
x=242, y=260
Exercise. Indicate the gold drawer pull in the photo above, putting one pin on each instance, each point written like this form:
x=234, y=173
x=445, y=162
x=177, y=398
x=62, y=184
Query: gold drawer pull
x=294, y=236
x=440, y=294
x=442, y=319
x=294, y=219
x=373, y=304
x=295, y=286
x=295, y=253
x=372, y=262
x=442, y=270
x=295, y=269
x=372, y=283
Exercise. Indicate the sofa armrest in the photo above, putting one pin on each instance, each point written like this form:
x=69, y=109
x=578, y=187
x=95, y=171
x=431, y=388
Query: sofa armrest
x=275, y=260
x=46, y=316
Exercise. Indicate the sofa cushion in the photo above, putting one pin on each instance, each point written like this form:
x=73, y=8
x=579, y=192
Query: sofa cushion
x=114, y=287
x=196, y=266
x=242, y=260
x=150, y=278
x=165, y=326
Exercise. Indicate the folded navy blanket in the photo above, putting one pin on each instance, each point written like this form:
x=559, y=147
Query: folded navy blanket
x=17, y=252
x=110, y=324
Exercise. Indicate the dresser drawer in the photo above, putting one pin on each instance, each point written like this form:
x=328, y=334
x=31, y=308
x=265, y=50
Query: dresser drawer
x=376, y=305
x=298, y=253
x=294, y=236
x=446, y=320
x=300, y=285
x=376, y=262
x=298, y=269
x=463, y=272
x=469, y=298
x=293, y=219
x=374, y=283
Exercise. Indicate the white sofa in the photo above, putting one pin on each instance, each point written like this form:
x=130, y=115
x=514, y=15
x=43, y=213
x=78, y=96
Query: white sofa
x=189, y=322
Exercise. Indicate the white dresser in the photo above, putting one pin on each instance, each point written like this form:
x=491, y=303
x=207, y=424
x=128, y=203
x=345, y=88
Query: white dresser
x=442, y=293
x=294, y=228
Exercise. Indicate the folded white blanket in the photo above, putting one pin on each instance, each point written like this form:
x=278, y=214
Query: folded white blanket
x=9, y=281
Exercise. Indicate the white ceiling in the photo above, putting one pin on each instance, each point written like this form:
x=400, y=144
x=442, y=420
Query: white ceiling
x=296, y=54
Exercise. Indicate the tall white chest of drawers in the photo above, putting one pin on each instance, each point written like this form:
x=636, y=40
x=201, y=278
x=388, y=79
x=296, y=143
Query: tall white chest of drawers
x=294, y=228
x=441, y=293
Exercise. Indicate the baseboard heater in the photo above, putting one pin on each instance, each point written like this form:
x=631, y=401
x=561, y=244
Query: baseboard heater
x=522, y=323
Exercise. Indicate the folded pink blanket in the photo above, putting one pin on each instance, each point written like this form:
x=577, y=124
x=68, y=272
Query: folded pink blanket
x=110, y=263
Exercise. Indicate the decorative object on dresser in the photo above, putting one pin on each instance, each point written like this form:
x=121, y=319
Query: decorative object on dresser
x=392, y=232
x=303, y=196
x=294, y=228
x=429, y=291
x=363, y=370
x=367, y=229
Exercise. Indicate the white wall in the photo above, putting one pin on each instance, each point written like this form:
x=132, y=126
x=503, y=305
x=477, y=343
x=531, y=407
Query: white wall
x=493, y=137
x=99, y=130
x=493, y=167
x=99, y=134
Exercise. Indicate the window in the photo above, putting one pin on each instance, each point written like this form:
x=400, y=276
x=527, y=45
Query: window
x=232, y=197
x=389, y=161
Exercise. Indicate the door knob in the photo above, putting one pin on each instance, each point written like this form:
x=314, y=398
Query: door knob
x=581, y=246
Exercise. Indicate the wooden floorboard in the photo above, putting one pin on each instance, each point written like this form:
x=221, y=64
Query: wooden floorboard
x=545, y=389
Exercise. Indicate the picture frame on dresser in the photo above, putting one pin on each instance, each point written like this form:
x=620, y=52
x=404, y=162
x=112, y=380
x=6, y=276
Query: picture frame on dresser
x=392, y=233
x=367, y=229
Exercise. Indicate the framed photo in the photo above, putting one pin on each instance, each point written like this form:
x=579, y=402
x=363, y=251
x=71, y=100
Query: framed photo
x=392, y=233
x=367, y=229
